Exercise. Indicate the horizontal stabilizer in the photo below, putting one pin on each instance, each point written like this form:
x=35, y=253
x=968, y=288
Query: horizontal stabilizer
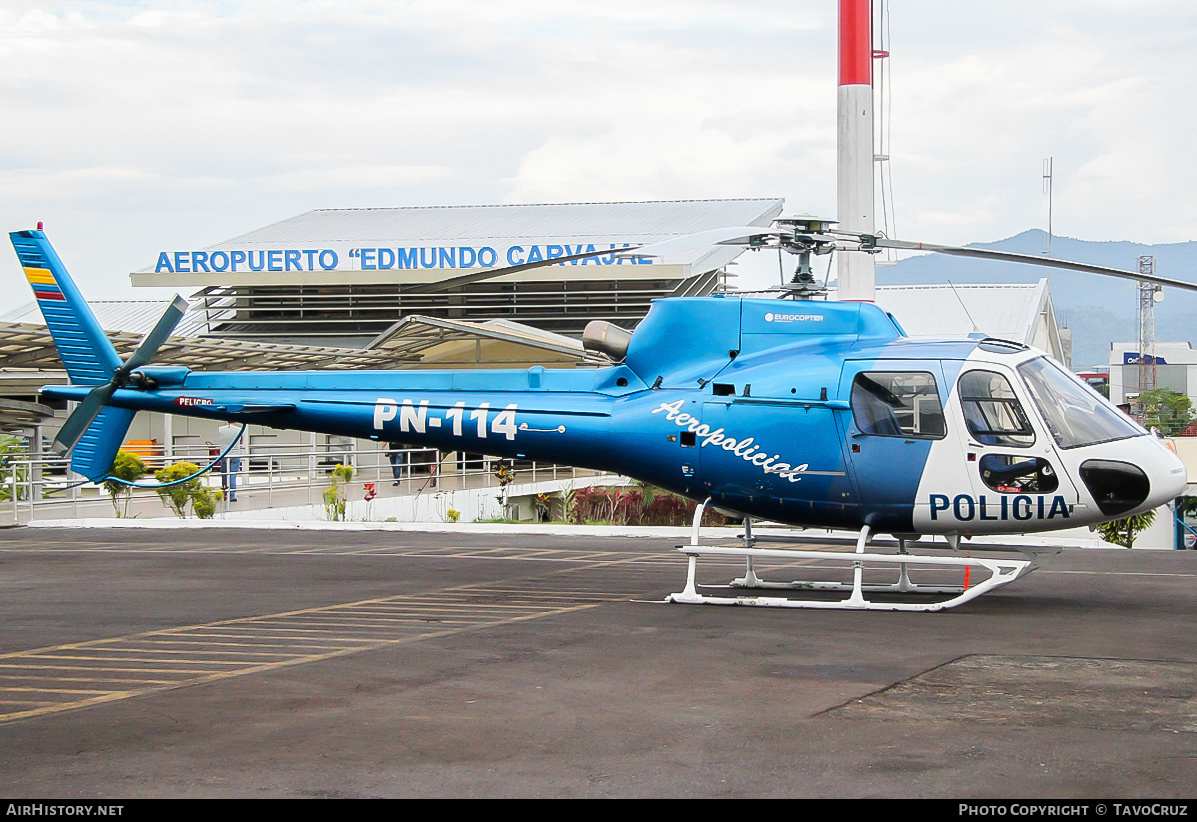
x=96, y=449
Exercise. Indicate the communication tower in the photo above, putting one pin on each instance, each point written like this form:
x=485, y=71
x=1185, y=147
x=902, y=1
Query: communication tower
x=1149, y=295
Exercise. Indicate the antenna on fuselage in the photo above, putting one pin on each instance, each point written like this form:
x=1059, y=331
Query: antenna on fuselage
x=965, y=307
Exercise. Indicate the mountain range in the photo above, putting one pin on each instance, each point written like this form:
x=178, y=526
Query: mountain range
x=1099, y=310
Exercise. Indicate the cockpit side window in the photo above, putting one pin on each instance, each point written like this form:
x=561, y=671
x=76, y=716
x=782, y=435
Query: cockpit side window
x=992, y=412
x=1021, y=474
x=897, y=404
x=1075, y=413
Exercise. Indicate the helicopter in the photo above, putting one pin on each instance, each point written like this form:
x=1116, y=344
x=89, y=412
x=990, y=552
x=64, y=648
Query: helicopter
x=817, y=414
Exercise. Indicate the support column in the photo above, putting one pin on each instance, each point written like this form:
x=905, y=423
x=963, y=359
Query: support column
x=168, y=440
x=854, y=142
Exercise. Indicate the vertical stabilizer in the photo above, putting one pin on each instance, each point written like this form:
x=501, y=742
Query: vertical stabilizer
x=83, y=346
x=95, y=451
x=86, y=351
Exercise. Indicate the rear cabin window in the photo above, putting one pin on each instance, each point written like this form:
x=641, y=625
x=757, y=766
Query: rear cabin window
x=897, y=404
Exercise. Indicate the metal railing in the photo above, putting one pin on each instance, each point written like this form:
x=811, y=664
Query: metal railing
x=268, y=477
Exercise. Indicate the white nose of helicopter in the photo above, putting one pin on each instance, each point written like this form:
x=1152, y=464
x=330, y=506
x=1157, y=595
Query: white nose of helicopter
x=1169, y=479
x=1140, y=480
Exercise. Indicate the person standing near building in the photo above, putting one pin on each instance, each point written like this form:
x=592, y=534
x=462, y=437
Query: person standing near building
x=230, y=465
x=397, y=457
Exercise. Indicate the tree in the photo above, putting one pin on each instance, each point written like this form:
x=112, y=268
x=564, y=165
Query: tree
x=127, y=467
x=14, y=468
x=1169, y=411
x=190, y=493
x=1123, y=531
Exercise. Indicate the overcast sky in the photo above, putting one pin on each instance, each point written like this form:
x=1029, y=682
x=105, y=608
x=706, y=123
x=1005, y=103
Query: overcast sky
x=137, y=126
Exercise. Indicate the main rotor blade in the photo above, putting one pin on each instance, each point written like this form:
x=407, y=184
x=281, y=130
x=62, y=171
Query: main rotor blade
x=729, y=235
x=477, y=276
x=1029, y=259
x=158, y=334
x=81, y=418
x=741, y=235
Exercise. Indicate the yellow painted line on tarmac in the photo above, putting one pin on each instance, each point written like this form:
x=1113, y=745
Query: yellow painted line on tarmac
x=313, y=634
x=28, y=677
x=258, y=639
x=226, y=652
x=30, y=689
x=335, y=627
x=138, y=660
x=590, y=556
x=97, y=668
x=229, y=646
x=122, y=667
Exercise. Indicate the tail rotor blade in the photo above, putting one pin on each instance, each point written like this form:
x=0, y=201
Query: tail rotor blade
x=158, y=335
x=81, y=418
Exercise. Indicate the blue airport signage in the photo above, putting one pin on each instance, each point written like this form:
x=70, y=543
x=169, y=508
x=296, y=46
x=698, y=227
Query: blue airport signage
x=383, y=259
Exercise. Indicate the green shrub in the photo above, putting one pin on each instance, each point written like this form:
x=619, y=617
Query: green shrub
x=190, y=494
x=334, y=495
x=127, y=467
x=204, y=501
x=14, y=468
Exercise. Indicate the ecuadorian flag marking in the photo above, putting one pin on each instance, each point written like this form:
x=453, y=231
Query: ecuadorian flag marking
x=44, y=287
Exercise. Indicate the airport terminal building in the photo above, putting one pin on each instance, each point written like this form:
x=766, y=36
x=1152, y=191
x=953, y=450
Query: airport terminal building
x=345, y=276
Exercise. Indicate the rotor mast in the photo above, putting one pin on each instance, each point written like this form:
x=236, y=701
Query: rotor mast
x=854, y=141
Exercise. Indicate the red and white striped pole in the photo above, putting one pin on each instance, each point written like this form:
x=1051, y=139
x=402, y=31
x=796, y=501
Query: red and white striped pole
x=854, y=141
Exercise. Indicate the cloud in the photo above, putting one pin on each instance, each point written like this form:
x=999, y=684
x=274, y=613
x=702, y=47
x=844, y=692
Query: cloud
x=196, y=120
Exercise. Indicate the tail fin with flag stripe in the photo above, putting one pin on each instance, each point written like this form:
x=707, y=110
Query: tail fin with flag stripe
x=85, y=349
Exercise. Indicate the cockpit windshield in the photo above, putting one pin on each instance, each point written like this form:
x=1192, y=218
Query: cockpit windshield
x=1075, y=413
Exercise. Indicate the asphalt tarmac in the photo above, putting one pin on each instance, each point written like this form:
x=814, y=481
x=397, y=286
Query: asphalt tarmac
x=239, y=663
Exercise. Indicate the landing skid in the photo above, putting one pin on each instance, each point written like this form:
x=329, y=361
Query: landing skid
x=993, y=572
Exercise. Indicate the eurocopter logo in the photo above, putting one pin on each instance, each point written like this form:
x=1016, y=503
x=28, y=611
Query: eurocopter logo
x=793, y=318
x=744, y=449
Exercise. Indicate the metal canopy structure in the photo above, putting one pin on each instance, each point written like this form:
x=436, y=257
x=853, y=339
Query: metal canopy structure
x=427, y=338
x=405, y=344
x=28, y=358
x=28, y=346
x=18, y=416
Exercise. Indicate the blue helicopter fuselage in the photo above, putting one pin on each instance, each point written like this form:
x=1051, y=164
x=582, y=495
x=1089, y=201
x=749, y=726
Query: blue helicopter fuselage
x=810, y=413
